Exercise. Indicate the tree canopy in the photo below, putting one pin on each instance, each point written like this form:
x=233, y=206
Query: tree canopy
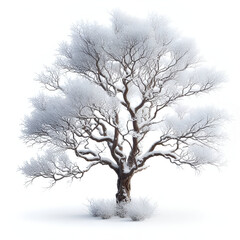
x=114, y=97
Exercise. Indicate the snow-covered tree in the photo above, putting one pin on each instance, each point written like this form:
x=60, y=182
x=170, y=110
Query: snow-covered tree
x=113, y=98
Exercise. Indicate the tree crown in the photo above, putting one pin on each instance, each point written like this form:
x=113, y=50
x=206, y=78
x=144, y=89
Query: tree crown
x=113, y=98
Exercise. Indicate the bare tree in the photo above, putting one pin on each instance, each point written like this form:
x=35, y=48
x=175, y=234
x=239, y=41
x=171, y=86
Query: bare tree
x=113, y=98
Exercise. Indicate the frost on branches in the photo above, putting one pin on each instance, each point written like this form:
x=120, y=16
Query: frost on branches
x=113, y=97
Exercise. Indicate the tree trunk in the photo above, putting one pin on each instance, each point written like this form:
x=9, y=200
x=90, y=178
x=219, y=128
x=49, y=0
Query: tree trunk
x=123, y=194
x=124, y=188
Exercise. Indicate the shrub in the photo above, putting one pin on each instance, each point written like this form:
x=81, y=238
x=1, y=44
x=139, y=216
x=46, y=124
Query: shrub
x=140, y=209
x=121, y=210
x=137, y=210
x=102, y=208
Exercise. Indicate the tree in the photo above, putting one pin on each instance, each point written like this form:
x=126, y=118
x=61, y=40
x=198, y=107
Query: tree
x=113, y=98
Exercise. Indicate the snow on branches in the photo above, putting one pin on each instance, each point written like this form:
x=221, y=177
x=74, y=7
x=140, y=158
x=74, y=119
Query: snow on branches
x=111, y=88
x=54, y=166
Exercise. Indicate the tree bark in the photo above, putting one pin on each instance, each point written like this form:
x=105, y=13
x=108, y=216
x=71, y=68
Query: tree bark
x=124, y=188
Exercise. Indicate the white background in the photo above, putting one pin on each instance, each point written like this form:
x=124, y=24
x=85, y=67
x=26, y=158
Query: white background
x=190, y=205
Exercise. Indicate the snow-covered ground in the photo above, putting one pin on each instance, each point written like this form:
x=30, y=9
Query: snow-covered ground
x=190, y=205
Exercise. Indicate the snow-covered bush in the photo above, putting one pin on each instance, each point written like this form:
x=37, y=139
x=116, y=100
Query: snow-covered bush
x=121, y=210
x=140, y=209
x=102, y=208
x=137, y=210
